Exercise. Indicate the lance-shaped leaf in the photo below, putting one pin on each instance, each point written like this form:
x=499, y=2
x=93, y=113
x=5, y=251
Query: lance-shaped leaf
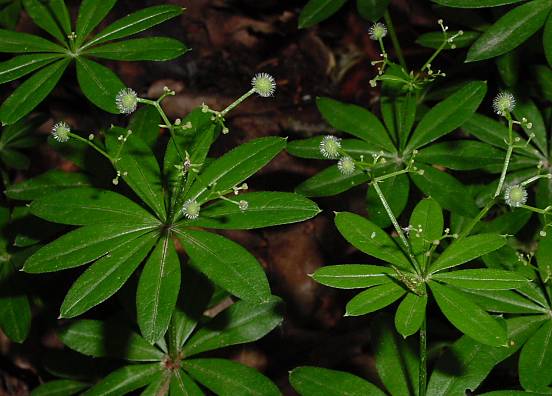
x=183, y=385
x=410, y=314
x=22, y=65
x=504, y=301
x=228, y=378
x=427, y=220
x=356, y=121
x=353, y=276
x=99, y=84
x=158, y=290
x=83, y=206
x=528, y=109
x=141, y=49
x=535, y=359
x=316, y=11
x=29, y=94
x=63, y=387
x=372, y=9
x=395, y=190
x=46, y=183
x=475, y=3
x=462, y=155
x=135, y=23
x=370, y=239
x=158, y=386
x=547, y=40
x=544, y=257
x=467, y=317
x=315, y=381
x=106, y=276
x=235, y=166
x=82, y=246
x=42, y=17
x=98, y=339
x=144, y=123
x=138, y=167
x=264, y=209
x=243, y=322
x=61, y=13
x=374, y=299
x=226, y=263
x=448, y=115
x=512, y=29
x=91, y=13
x=467, y=363
x=330, y=182
x=467, y=249
x=482, y=279
x=125, y=380
x=15, y=309
x=16, y=42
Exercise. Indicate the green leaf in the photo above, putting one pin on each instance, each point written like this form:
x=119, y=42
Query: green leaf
x=61, y=13
x=99, y=84
x=330, y=182
x=9, y=13
x=427, y=220
x=243, y=322
x=125, y=380
x=353, y=276
x=547, y=40
x=316, y=381
x=475, y=3
x=47, y=183
x=504, y=301
x=370, y=239
x=544, y=257
x=138, y=167
x=526, y=108
x=482, y=279
x=82, y=206
x=316, y=11
x=106, y=276
x=372, y=9
x=467, y=317
x=63, y=387
x=33, y=91
x=508, y=67
x=448, y=115
x=82, y=246
x=396, y=190
x=15, y=309
x=396, y=362
x=461, y=155
x=310, y=148
x=264, y=209
x=511, y=30
x=22, y=65
x=17, y=42
x=14, y=159
x=141, y=49
x=467, y=249
x=435, y=39
x=144, y=123
x=374, y=299
x=357, y=121
x=467, y=363
x=446, y=190
x=98, y=339
x=183, y=385
x=226, y=263
x=228, y=378
x=158, y=386
x=158, y=291
x=535, y=359
x=490, y=131
x=410, y=314
x=42, y=17
x=135, y=23
x=91, y=13
x=235, y=166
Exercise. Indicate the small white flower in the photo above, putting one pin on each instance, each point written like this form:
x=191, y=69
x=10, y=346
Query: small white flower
x=377, y=31
x=243, y=205
x=126, y=100
x=263, y=84
x=191, y=209
x=61, y=131
x=346, y=166
x=515, y=196
x=329, y=147
x=504, y=103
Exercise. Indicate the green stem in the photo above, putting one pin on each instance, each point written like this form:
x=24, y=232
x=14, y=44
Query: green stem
x=396, y=225
x=432, y=57
x=423, y=359
x=394, y=39
x=477, y=219
x=88, y=142
x=533, y=209
x=235, y=104
x=508, y=156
